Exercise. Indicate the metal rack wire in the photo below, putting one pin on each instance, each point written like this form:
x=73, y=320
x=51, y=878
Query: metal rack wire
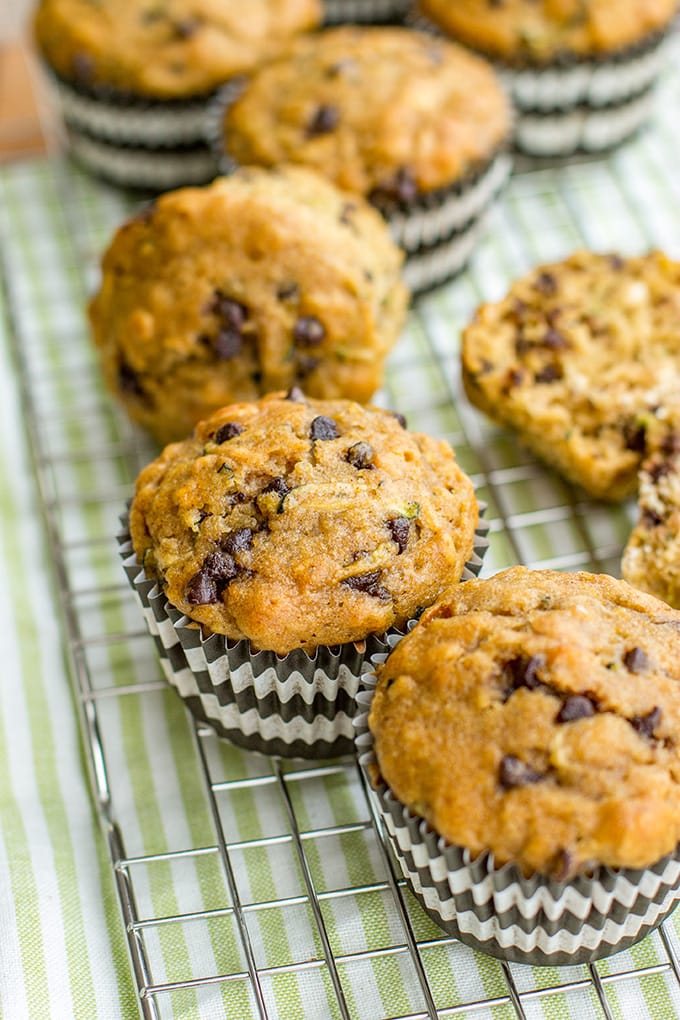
x=86, y=456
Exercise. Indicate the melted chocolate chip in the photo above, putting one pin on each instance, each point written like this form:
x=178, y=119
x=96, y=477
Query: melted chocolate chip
x=208, y=583
x=575, y=707
x=360, y=456
x=523, y=671
x=238, y=541
x=636, y=660
x=401, y=189
x=646, y=724
x=305, y=364
x=671, y=444
x=288, y=291
x=309, y=330
x=554, y=340
x=514, y=377
x=228, y=431
x=545, y=283
x=278, y=485
x=221, y=566
x=227, y=344
x=551, y=373
x=400, y=418
x=515, y=772
x=634, y=436
x=296, y=394
x=658, y=469
x=186, y=27
x=232, y=312
x=323, y=428
x=324, y=119
x=368, y=583
x=400, y=529
x=650, y=518
x=128, y=380
x=201, y=590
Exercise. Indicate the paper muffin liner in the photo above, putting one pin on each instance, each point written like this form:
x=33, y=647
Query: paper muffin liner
x=298, y=705
x=365, y=12
x=577, y=104
x=498, y=910
x=437, y=230
x=136, y=141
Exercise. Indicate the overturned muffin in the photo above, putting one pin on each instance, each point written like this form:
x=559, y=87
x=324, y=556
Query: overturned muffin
x=295, y=522
x=577, y=357
x=260, y=281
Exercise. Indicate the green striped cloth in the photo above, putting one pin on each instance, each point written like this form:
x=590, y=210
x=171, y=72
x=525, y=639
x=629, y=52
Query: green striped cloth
x=297, y=836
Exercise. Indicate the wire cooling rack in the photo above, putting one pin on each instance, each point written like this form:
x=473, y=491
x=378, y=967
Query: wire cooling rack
x=254, y=887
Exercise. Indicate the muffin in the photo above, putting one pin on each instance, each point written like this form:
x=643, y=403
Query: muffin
x=580, y=72
x=414, y=124
x=259, y=281
x=524, y=743
x=577, y=357
x=135, y=77
x=651, y=559
x=335, y=12
x=285, y=537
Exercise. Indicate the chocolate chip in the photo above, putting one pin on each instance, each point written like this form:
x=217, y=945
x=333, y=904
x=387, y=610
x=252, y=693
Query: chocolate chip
x=227, y=344
x=401, y=188
x=616, y=262
x=83, y=67
x=201, y=590
x=348, y=209
x=515, y=772
x=324, y=119
x=554, y=340
x=296, y=394
x=221, y=566
x=575, y=707
x=323, y=428
x=237, y=541
x=228, y=431
x=186, y=27
x=368, y=583
x=635, y=660
x=305, y=364
x=671, y=444
x=545, y=283
x=646, y=724
x=309, y=330
x=339, y=67
x=128, y=380
x=400, y=529
x=634, y=436
x=278, y=485
x=360, y=456
x=549, y=374
x=233, y=312
x=514, y=377
x=658, y=469
x=287, y=291
x=650, y=518
x=523, y=671
x=400, y=418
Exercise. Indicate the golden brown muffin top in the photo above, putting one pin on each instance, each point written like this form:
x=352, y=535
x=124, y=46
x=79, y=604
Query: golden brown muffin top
x=536, y=31
x=254, y=283
x=297, y=523
x=385, y=112
x=576, y=356
x=537, y=715
x=168, y=49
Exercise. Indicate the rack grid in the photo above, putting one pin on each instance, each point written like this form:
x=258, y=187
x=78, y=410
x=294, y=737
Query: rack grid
x=256, y=887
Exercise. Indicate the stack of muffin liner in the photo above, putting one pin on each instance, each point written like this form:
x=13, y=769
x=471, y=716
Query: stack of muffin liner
x=535, y=920
x=579, y=104
x=438, y=230
x=298, y=705
x=138, y=142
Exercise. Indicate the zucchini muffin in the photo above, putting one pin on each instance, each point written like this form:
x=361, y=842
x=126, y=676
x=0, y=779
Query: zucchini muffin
x=416, y=125
x=256, y=282
x=577, y=357
x=580, y=72
x=135, y=77
x=651, y=559
x=532, y=720
x=292, y=533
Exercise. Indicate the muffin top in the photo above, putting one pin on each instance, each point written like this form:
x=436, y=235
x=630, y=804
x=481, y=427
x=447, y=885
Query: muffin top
x=173, y=49
x=537, y=715
x=537, y=31
x=297, y=523
x=259, y=281
x=577, y=356
x=384, y=112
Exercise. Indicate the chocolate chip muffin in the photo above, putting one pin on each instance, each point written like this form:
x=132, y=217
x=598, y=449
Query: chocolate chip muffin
x=135, y=77
x=580, y=72
x=651, y=559
x=258, y=281
x=293, y=533
x=533, y=720
x=576, y=357
x=426, y=148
